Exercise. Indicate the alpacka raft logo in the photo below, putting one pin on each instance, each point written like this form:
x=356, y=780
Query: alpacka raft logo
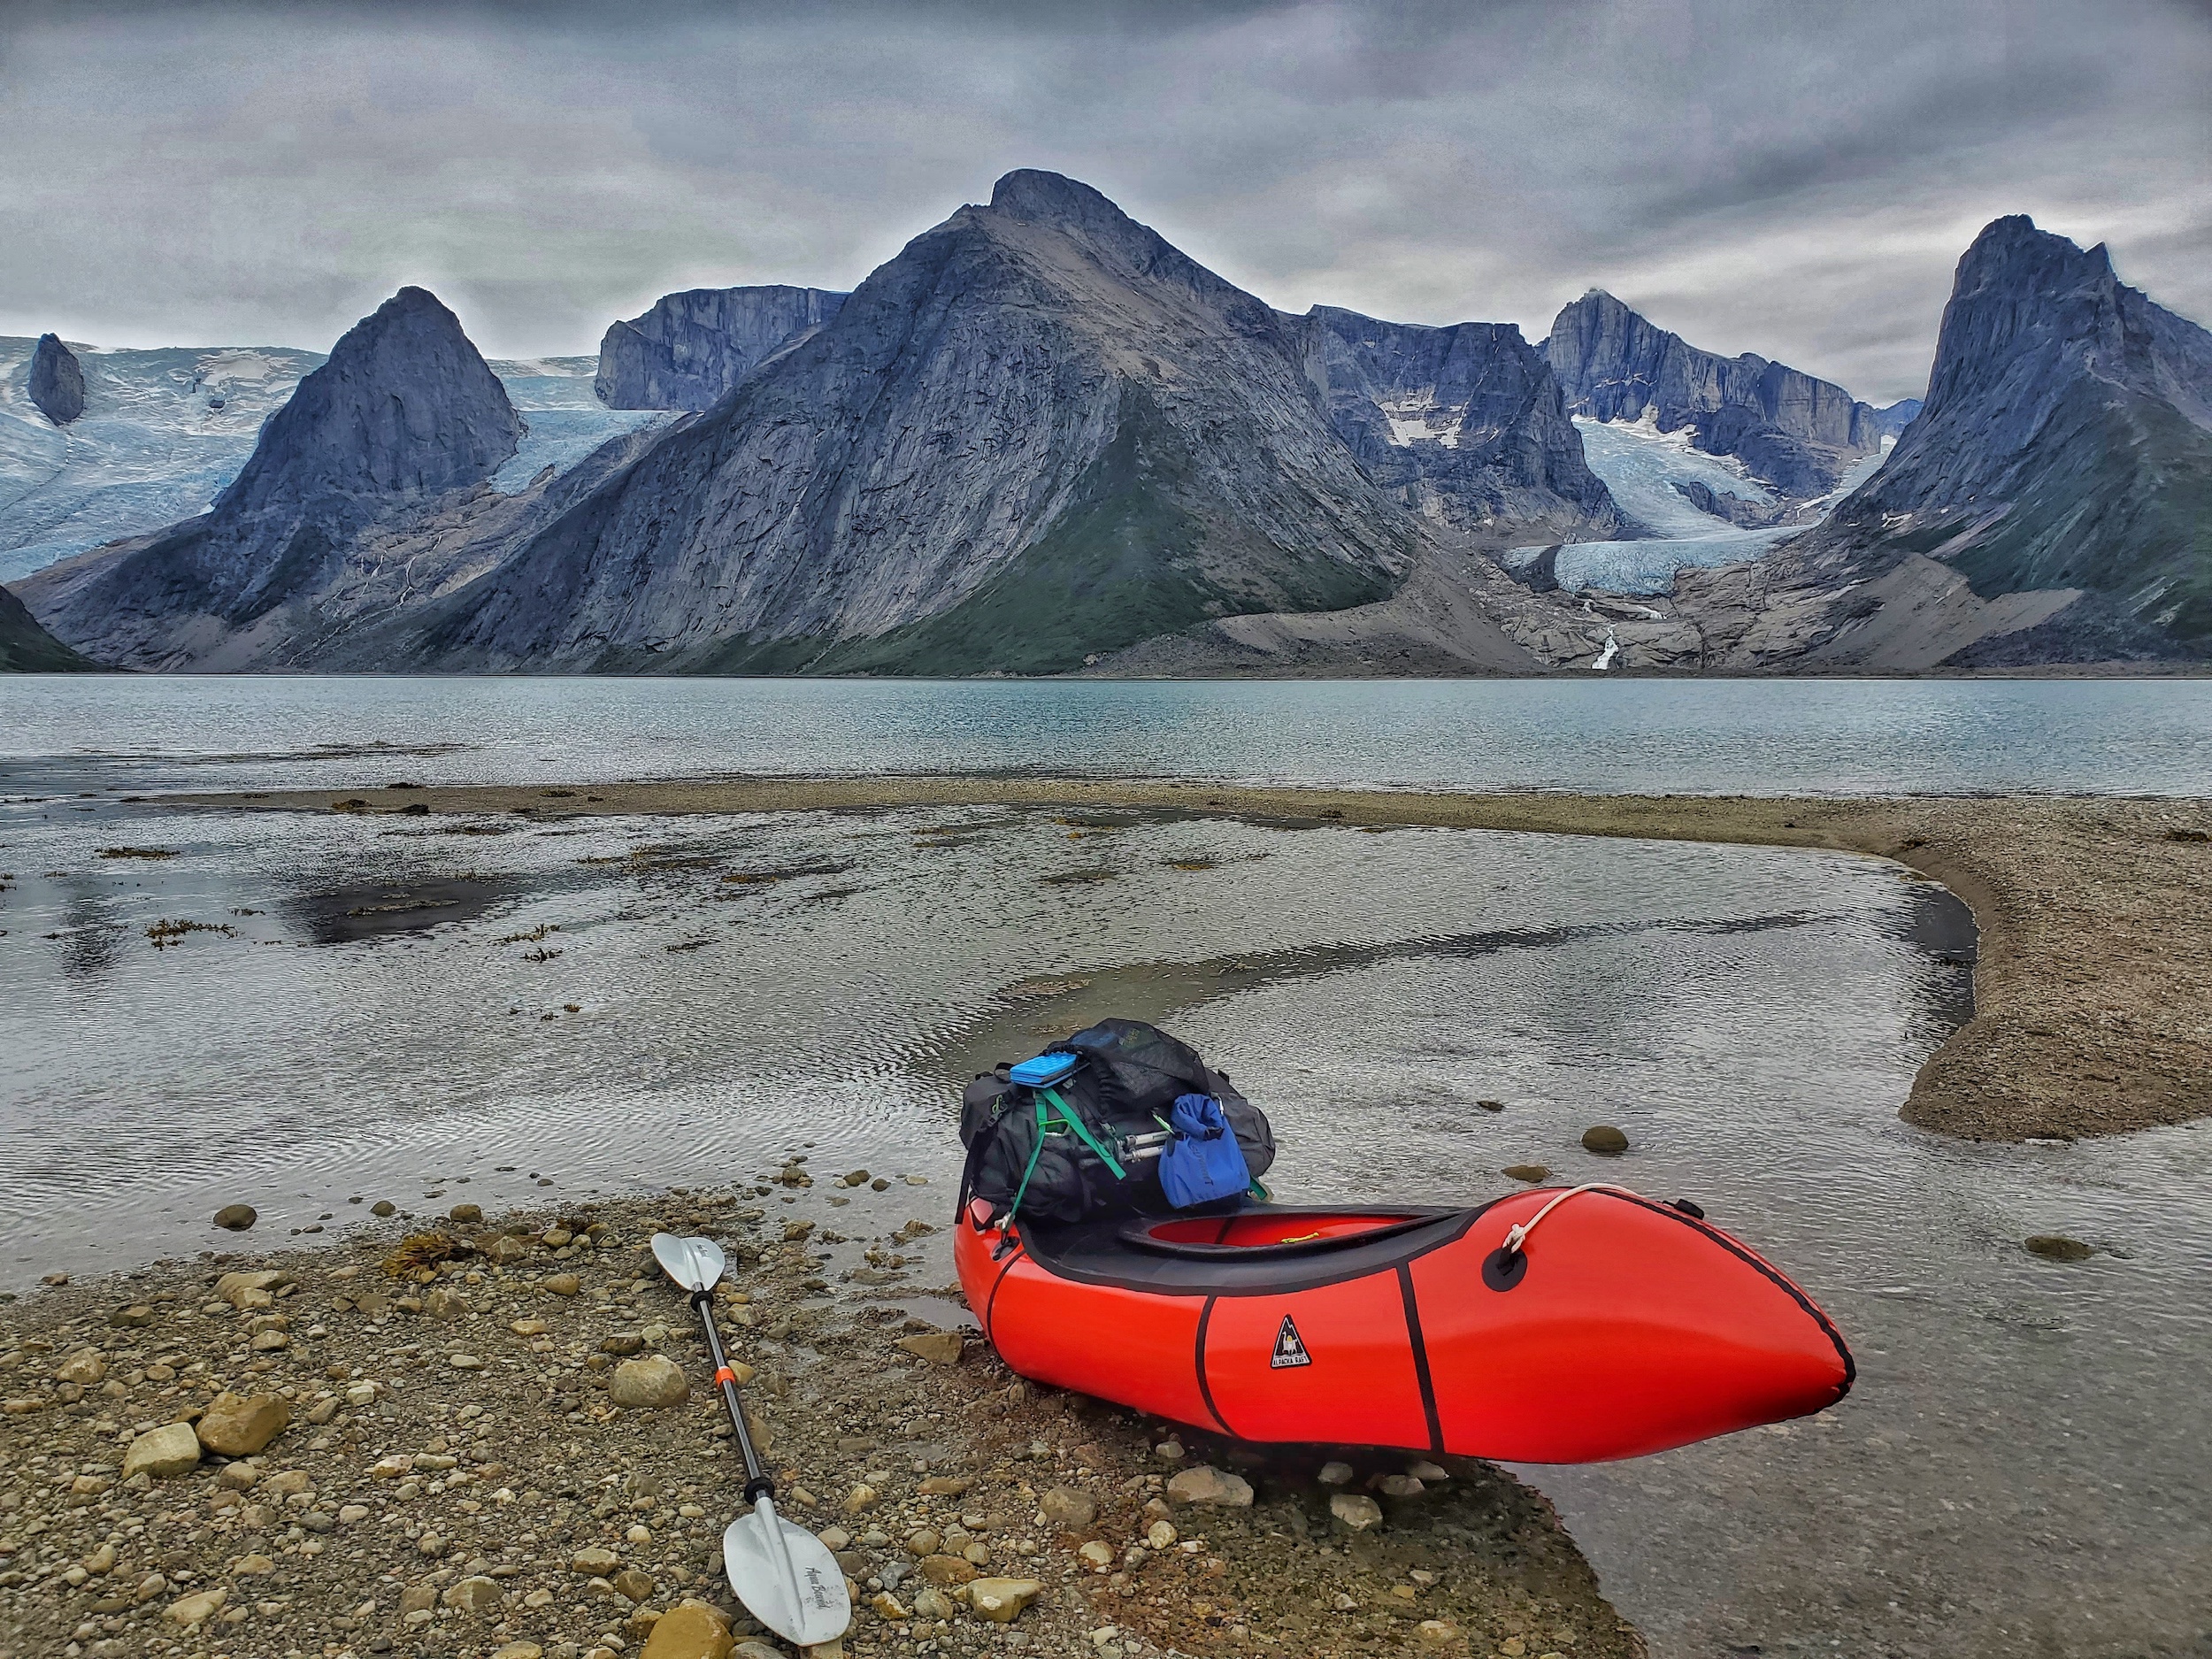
x=1290, y=1348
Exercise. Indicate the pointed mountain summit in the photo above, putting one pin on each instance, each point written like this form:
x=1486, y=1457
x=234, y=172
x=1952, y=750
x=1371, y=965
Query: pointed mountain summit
x=57, y=384
x=404, y=416
x=691, y=349
x=1037, y=435
x=405, y=406
x=2066, y=444
x=1797, y=433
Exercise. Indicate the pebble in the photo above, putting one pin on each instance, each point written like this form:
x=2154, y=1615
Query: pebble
x=1356, y=1511
x=1533, y=1174
x=467, y=1215
x=1002, y=1600
x=237, y=1217
x=473, y=1595
x=1400, y=1486
x=1160, y=1534
x=1605, y=1140
x=690, y=1630
x=1421, y=1469
x=595, y=1562
x=198, y=1608
x=648, y=1384
x=565, y=1284
x=239, y=1426
x=1066, y=1508
x=1208, y=1487
x=1335, y=1474
x=383, y=1207
x=163, y=1452
x=939, y=1347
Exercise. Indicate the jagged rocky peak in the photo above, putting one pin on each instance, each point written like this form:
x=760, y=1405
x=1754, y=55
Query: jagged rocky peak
x=1467, y=419
x=2065, y=450
x=1798, y=432
x=691, y=349
x=405, y=406
x=57, y=385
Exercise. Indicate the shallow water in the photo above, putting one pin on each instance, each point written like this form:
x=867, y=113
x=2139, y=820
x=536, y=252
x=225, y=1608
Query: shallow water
x=129, y=733
x=2022, y=1470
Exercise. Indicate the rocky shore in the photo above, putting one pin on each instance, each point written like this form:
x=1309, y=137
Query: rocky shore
x=498, y=1440
x=2092, y=988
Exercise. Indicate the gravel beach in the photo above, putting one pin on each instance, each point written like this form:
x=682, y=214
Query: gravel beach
x=448, y=1437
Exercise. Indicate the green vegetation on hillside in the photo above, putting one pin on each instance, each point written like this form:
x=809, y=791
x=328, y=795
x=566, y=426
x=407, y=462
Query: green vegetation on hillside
x=2122, y=506
x=1127, y=561
x=27, y=648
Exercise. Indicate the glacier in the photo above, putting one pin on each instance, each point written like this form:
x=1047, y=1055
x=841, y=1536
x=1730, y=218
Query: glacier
x=1640, y=464
x=165, y=429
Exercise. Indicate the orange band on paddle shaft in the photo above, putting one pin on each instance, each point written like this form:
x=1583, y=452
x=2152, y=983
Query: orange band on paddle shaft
x=726, y=1375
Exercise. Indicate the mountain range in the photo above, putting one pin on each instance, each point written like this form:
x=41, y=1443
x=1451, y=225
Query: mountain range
x=1040, y=438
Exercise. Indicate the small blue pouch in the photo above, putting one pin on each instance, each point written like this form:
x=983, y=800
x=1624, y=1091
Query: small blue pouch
x=1203, y=1162
x=1044, y=1071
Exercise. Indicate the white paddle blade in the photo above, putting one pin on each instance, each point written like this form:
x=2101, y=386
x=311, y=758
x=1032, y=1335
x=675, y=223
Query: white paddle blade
x=785, y=1577
x=695, y=1263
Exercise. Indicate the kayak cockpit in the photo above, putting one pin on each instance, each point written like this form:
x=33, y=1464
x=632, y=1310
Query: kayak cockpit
x=1241, y=1250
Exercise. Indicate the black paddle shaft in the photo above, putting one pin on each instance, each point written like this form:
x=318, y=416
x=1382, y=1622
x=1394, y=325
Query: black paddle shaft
x=757, y=1483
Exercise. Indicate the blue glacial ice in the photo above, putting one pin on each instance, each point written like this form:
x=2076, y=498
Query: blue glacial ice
x=1640, y=464
x=166, y=430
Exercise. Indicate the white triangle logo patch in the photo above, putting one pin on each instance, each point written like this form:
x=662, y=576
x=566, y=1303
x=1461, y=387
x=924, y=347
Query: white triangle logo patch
x=1290, y=1348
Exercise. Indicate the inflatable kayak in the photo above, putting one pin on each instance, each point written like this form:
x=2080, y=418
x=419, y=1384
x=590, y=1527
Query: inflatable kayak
x=1549, y=1326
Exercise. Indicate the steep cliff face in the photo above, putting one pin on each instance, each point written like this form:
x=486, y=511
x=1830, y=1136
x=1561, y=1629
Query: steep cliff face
x=27, y=648
x=690, y=348
x=1797, y=433
x=2066, y=444
x=1037, y=434
x=1466, y=423
x=405, y=415
x=57, y=382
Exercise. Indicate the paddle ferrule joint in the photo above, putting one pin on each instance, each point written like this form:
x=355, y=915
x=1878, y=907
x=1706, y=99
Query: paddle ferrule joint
x=726, y=1375
x=758, y=1487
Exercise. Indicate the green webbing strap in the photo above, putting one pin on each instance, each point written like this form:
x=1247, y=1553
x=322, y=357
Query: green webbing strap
x=1068, y=1117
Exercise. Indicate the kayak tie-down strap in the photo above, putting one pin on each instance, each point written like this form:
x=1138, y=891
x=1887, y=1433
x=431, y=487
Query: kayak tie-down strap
x=1064, y=1116
x=1516, y=1235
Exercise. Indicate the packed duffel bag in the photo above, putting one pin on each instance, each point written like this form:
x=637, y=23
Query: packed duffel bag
x=1078, y=1131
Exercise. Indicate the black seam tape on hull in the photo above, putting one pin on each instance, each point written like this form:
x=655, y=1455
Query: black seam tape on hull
x=1421, y=1361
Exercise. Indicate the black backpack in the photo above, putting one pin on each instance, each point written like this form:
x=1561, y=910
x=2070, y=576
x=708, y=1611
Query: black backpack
x=1086, y=1144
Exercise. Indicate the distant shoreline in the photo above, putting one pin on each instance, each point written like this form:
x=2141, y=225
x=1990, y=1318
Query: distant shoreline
x=2092, y=991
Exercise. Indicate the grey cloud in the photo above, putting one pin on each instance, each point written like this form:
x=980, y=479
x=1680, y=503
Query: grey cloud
x=1796, y=181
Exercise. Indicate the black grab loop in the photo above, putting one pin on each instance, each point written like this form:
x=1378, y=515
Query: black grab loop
x=1502, y=1269
x=1694, y=1212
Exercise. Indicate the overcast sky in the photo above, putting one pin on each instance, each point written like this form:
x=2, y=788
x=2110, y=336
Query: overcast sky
x=1792, y=179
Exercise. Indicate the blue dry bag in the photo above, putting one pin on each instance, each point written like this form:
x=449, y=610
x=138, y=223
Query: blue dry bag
x=1203, y=1161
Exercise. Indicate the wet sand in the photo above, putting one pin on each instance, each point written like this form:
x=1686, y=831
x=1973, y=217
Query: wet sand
x=2092, y=988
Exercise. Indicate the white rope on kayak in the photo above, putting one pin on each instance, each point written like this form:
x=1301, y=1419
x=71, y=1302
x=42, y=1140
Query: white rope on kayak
x=1517, y=1235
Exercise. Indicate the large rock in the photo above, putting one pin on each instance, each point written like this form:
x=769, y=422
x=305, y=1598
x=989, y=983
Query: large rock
x=172, y=1449
x=648, y=1384
x=57, y=383
x=1796, y=431
x=238, y=1425
x=692, y=348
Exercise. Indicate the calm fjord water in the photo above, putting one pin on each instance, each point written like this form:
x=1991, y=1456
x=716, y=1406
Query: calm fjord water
x=2025, y=1466
x=1621, y=736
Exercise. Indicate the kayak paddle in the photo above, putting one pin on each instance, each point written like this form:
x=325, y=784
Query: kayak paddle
x=785, y=1575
